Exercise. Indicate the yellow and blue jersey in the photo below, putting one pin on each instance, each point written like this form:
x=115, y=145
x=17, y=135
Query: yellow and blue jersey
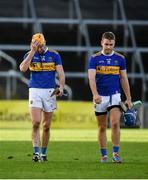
x=43, y=69
x=107, y=72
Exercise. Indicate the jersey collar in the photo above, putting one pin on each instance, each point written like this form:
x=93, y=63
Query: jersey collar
x=46, y=50
x=108, y=54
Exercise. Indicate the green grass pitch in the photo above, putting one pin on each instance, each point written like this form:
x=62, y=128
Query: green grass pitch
x=72, y=154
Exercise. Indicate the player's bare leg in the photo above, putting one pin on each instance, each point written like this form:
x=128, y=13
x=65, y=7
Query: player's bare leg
x=102, y=138
x=115, y=115
x=47, y=117
x=36, y=119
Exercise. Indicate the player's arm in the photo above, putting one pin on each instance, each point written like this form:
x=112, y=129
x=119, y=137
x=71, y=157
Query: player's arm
x=92, y=84
x=61, y=75
x=26, y=62
x=125, y=86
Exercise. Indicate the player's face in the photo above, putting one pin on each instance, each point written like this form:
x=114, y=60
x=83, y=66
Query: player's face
x=41, y=49
x=107, y=45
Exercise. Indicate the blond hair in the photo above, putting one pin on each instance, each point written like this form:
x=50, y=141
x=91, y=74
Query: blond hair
x=38, y=37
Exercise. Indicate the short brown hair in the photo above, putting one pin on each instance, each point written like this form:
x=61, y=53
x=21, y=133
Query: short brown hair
x=108, y=35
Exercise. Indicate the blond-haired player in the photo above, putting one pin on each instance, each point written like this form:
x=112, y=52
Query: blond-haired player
x=43, y=64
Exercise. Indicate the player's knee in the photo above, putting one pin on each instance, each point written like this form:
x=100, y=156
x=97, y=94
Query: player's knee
x=115, y=124
x=102, y=128
x=35, y=125
x=46, y=128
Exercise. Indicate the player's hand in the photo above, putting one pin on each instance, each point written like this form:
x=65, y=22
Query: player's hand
x=34, y=46
x=58, y=92
x=129, y=103
x=97, y=99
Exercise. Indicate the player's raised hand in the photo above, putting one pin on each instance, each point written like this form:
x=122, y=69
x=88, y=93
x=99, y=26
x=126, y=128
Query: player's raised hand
x=37, y=40
x=34, y=46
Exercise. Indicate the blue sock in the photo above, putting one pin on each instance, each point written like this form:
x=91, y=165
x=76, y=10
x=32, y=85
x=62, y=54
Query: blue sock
x=43, y=151
x=103, y=152
x=115, y=149
x=36, y=150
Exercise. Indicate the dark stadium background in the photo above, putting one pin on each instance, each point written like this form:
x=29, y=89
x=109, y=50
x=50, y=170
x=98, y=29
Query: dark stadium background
x=63, y=35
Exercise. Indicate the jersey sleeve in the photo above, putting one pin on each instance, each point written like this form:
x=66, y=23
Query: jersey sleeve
x=91, y=63
x=58, y=60
x=123, y=64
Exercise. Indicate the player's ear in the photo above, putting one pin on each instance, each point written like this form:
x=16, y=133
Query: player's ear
x=114, y=43
x=102, y=42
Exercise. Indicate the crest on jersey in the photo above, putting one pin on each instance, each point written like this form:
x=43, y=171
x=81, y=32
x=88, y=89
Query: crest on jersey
x=116, y=62
x=50, y=58
x=108, y=60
